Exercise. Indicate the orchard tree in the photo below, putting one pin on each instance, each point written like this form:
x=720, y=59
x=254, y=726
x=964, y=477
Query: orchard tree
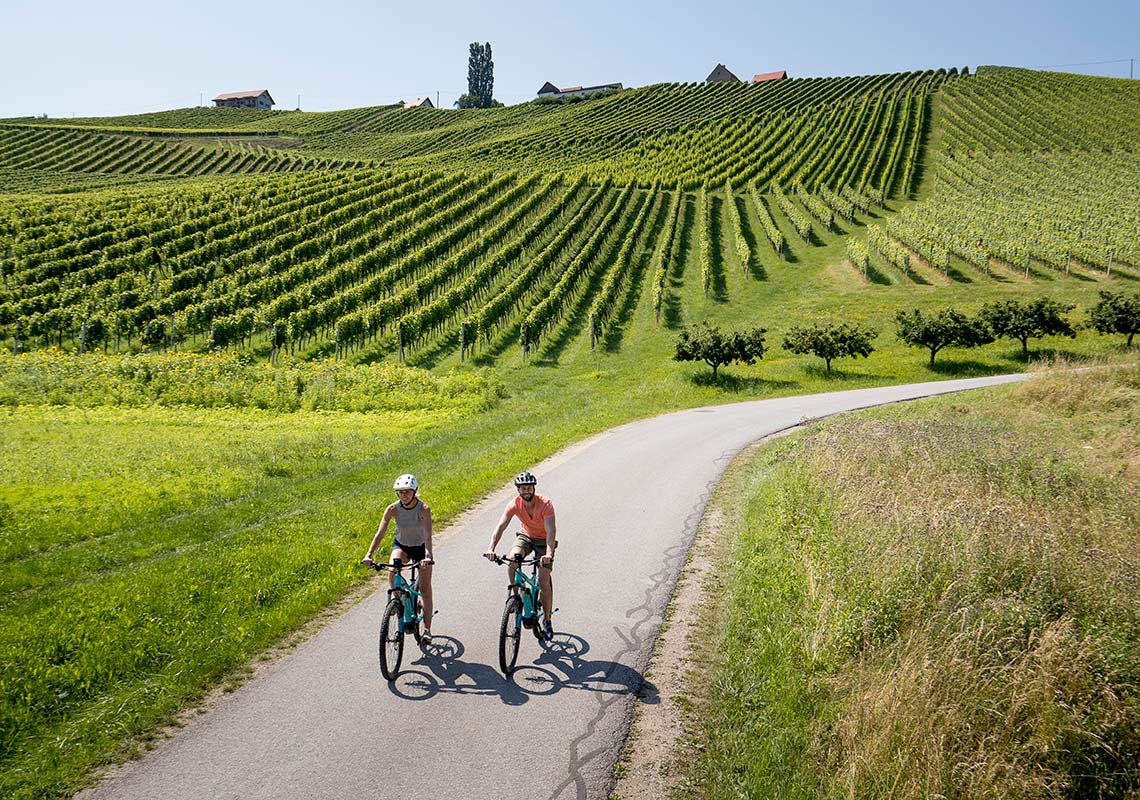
x=1116, y=313
x=480, y=78
x=707, y=343
x=944, y=329
x=831, y=340
x=1012, y=319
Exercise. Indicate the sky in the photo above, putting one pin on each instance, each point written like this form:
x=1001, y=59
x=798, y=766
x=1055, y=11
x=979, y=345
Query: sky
x=68, y=58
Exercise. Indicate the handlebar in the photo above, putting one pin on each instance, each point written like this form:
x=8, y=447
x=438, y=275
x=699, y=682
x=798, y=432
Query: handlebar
x=521, y=562
x=381, y=566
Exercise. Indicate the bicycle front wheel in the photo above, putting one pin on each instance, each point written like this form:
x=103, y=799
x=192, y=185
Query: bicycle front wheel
x=509, y=630
x=391, y=639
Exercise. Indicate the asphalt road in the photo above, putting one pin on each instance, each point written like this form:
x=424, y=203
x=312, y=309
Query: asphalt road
x=323, y=723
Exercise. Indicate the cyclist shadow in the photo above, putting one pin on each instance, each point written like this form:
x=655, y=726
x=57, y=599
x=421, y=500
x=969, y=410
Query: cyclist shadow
x=440, y=669
x=564, y=659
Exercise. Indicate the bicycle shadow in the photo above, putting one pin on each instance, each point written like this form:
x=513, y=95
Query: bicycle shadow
x=440, y=669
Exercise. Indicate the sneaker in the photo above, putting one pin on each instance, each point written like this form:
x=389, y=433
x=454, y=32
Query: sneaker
x=547, y=629
x=425, y=638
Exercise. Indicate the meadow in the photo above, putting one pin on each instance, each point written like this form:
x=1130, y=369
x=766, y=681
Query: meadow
x=938, y=599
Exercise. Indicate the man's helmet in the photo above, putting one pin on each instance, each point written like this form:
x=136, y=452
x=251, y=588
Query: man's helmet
x=525, y=478
x=406, y=482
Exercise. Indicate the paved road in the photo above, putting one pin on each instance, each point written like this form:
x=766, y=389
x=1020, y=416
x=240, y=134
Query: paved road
x=323, y=723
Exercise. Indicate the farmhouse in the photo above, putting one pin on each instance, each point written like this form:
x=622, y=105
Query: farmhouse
x=764, y=77
x=423, y=102
x=550, y=90
x=258, y=98
x=721, y=74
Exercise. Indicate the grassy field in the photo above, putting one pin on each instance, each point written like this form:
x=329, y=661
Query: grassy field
x=935, y=600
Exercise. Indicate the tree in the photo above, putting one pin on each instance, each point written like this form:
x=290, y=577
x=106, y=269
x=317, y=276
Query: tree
x=1013, y=319
x=944, y=329
x=480, y=78
x=830, y=341
x=706, y=343
x=1116, y=313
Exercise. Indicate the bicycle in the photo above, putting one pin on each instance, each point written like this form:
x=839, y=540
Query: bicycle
x=403, y=615
x=522, y=610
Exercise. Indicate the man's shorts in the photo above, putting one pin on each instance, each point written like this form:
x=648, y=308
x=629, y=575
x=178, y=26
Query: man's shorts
x=536, y=546
x=414, y=552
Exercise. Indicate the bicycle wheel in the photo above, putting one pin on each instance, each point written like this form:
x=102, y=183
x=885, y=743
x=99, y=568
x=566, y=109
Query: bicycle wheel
x=509, y=630
x=391, y=639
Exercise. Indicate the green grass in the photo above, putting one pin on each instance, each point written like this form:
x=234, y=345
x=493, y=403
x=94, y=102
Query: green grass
x=936, y=600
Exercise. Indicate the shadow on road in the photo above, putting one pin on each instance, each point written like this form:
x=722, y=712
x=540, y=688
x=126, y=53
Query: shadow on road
x=559, y=665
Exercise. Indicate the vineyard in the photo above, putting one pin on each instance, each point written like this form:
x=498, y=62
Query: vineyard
x=402, y=233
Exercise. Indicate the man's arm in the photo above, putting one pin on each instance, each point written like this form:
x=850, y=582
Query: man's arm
x=551, y=541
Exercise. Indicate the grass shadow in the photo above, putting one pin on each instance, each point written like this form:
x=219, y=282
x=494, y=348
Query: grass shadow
x=737, y=384
x=965, y=368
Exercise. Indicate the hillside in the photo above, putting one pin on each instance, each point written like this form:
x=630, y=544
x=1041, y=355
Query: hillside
x=431, y=230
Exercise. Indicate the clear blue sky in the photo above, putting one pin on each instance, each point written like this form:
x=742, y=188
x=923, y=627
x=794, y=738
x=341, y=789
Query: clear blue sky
x=69, y=58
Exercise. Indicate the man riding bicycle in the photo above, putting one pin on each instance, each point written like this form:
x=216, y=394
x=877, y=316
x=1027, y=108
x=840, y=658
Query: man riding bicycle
x=412, y=540
x=536, y=515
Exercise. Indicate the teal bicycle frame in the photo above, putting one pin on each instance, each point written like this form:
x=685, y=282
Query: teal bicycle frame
x=523, y=609
x=403, y=614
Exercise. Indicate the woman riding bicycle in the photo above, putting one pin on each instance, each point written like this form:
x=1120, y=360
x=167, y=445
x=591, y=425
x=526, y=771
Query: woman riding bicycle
x=412, y=540
x=536, y=515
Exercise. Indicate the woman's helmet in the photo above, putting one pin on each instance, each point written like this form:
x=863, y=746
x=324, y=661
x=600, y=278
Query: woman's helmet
x=525, y=478
x=406, y=482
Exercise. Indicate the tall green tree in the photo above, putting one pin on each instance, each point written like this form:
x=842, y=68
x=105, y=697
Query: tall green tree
x=480, y=77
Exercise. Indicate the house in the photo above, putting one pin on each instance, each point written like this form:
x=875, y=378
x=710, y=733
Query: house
x=550, y=90
x=423, y=102
x=721, y=74
x=764, y=77
x=258, y=98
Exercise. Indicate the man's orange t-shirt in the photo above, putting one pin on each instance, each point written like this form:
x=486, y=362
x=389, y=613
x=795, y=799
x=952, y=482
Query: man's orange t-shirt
x=533, y=524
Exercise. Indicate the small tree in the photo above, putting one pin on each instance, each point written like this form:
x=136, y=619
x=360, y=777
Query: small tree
x=830, y=341
x=1116, y=313
x=1013, y=319
x=706, y=343
x=944, y=329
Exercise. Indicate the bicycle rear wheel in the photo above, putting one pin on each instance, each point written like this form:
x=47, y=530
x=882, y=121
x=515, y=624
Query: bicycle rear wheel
x=391, y=639
x=509, y=631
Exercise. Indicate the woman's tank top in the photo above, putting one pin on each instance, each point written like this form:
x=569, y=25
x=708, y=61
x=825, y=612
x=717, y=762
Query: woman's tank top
x=409, y=526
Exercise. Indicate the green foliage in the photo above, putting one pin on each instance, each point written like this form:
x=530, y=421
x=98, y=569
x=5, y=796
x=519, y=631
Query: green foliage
x=942, y=329
x=704, y=342
x=1116, y=313
x=480, y=78
x=1032, y=319
x=831, y=340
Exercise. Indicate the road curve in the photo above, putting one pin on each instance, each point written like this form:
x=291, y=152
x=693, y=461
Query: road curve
x=323, y=723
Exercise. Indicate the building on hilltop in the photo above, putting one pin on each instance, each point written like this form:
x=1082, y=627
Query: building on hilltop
x=721, y=74
x=423, y=102
x=764, y=77
x=258, y=98
x=550, y=90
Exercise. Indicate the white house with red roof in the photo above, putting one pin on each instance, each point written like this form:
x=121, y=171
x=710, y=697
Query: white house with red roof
x=550, y=90
x=258, y=98
x=764, y=77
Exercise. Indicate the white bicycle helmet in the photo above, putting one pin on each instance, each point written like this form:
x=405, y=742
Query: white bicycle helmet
x=525, y=479
x=406, y=481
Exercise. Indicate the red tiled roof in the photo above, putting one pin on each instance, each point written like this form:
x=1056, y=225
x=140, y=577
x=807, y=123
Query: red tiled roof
x=770, y=76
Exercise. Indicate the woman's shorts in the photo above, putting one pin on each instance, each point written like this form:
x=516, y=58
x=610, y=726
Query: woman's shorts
x=536, y=546
x=414, y=552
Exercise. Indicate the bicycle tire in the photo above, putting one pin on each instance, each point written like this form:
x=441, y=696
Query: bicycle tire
x=391, y=639
x=417, y=626
x=510, y=631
